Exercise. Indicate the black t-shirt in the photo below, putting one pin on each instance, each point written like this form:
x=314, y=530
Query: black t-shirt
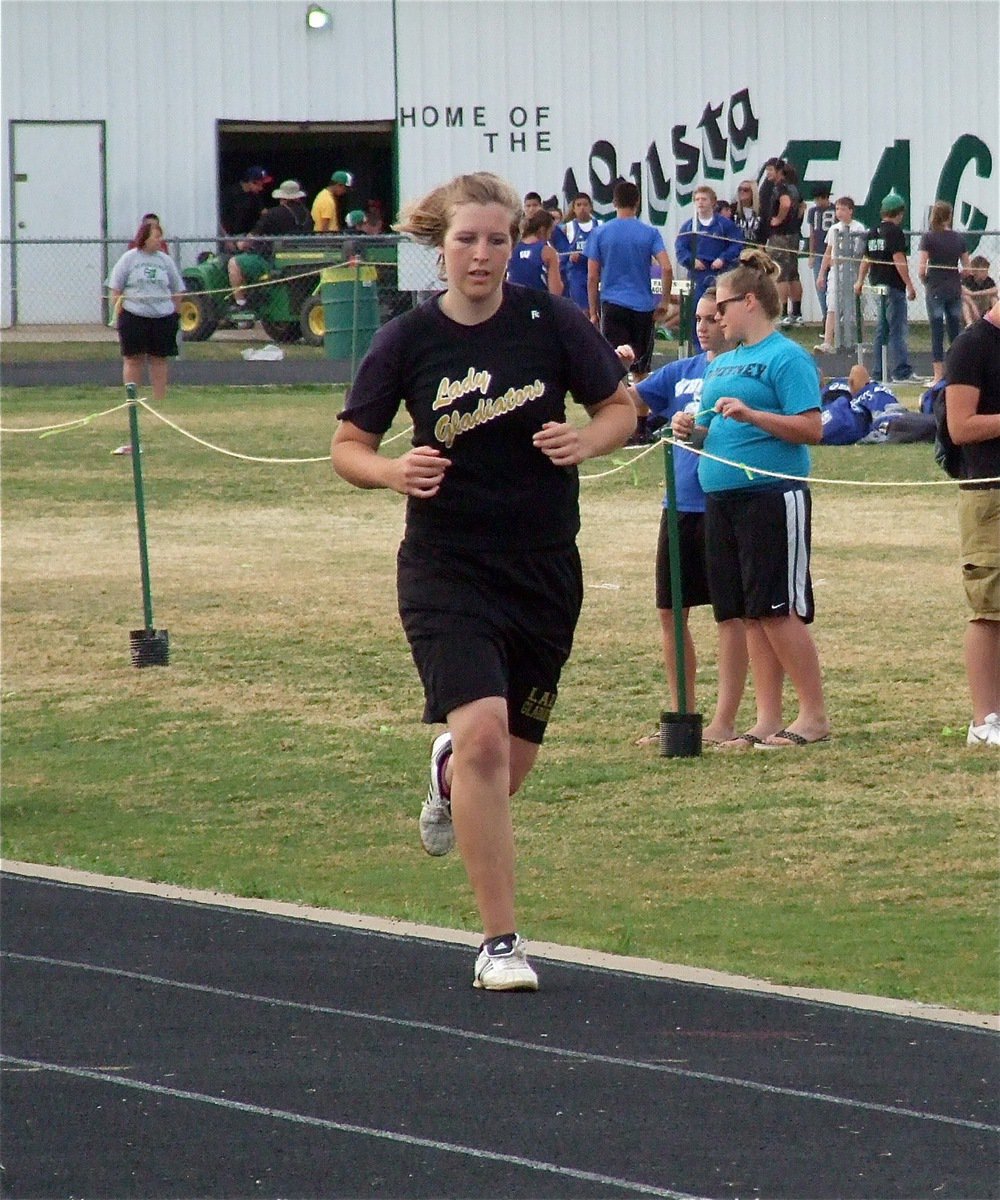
x=289, y=219
x=766, y=203
x=478, y=393
x=974, y=359
x=880, y=245
x=239, y=210
x=793, y=218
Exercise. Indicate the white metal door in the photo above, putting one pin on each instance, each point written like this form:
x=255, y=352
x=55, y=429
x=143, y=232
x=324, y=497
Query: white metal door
x=58, y=193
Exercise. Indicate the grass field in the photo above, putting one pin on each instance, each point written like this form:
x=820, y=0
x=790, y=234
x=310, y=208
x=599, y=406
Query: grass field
x=281, y=753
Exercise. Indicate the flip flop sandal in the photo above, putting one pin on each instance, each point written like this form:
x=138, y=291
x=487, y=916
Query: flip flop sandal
x=742, y=741
x=794, y=740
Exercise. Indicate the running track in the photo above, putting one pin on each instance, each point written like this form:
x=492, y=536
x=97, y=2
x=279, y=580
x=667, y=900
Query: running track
x=155, y=1046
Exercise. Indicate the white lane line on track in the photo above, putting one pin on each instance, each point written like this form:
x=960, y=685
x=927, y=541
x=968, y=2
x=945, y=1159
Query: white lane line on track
x=512, y=1043
x=588, y=960
x=257, y=1110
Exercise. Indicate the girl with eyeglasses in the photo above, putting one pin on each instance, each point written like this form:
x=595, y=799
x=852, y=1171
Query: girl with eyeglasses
x=761, y=406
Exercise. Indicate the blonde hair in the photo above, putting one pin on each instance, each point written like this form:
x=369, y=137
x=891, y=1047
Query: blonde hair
x=757, y=274
x=707, y=191
x=427, y=220
x=941, y=214
x=755, y=197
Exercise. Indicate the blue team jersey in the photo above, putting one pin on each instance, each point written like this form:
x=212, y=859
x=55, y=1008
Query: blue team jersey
x=775, y=375
x=526, y=266
x=719, y=238
x=675, y=388
x=624, y=247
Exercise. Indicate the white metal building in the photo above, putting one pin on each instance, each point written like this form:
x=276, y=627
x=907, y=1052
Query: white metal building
x=115, y=107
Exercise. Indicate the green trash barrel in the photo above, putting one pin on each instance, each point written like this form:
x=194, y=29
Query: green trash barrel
x=350, y=310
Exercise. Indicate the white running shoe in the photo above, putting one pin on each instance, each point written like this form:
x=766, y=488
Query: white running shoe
x=507, y=969
x=437, y=834
x=823, y=348
x=987, y=734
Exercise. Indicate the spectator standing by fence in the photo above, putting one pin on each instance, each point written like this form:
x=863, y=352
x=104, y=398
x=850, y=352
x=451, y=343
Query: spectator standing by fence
x=326, y=204
x=939, y=256
x=534, y=261
x=619, y=284
x=746, y=212
x=145, y=292
x=241, y=203
x=845, y=243
x=820, y=217
x=577, y=229
x=885, y=261
x=761, y=403
x=972, y=369
x=706, y=244
x=784, y=235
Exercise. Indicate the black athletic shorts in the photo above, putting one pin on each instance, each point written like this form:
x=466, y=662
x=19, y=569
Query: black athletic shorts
x=624, y=325
x=485, y=624
x=156, y=336
x=694, y=569
x=759, y=543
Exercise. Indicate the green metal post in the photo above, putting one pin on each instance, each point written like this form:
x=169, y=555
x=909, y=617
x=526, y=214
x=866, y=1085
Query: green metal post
x=140, y=504
x=354, y=322
x=674, y=557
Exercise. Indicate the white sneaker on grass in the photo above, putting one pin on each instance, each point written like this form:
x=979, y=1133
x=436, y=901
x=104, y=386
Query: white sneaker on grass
x=987, y=734
x=507, y=969
x=437, y=834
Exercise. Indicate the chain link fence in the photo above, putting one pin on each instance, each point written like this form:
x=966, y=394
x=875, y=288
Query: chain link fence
x=63, y=282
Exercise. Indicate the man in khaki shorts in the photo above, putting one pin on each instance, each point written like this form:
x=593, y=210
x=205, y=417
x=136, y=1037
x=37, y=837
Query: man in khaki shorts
x=783, y=236
x=972, y=368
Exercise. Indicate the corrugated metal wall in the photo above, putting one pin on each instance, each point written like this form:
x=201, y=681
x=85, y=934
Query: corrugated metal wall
x=861, y=74
x=162, y=73
x=556, y=76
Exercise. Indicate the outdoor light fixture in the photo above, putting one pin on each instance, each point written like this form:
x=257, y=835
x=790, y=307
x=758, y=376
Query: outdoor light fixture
x=317, y=18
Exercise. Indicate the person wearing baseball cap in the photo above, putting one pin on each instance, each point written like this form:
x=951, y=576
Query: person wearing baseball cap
x=325, y=214
x=241, y=203
x=289, y=217
x=885, y=261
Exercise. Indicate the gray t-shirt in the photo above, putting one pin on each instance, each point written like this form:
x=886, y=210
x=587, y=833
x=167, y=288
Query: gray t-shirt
x=147, y=282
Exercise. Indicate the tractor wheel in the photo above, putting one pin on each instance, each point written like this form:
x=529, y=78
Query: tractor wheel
x=311, y=321
x=199, y=318
x=281, y=331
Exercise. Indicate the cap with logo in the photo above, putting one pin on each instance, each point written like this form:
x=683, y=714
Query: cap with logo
x=257, y=174
x=344, y=177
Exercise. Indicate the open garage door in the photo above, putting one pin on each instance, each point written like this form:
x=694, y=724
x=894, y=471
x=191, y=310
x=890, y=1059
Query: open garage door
x=310, y=152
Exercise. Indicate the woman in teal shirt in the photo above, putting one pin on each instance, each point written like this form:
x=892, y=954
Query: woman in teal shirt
x=761, y=406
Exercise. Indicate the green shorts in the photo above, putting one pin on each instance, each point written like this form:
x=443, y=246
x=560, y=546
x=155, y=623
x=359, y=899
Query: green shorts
x=979, y=533
x=253, y=266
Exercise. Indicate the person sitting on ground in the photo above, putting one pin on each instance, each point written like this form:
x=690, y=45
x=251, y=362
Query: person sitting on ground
x=979, y=292
x=290, y=217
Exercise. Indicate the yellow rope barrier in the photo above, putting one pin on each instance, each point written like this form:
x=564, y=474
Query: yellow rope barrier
x=48, y=430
